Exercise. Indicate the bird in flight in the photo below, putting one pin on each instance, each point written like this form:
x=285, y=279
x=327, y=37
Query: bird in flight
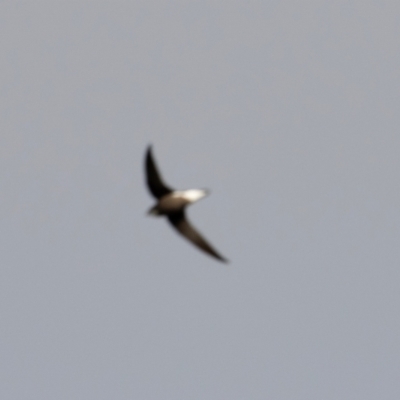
x=172, y=204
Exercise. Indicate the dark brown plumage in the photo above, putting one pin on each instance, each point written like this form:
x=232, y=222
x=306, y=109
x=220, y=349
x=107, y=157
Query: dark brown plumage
x=172, y=204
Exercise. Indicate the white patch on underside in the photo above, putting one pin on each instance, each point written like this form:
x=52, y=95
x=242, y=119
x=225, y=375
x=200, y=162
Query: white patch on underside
x=190, y=195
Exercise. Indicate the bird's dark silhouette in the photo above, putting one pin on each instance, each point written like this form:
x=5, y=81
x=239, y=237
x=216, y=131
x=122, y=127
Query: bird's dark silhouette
x=172, y=204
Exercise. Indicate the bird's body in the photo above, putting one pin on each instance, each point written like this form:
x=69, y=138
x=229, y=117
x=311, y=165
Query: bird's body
x=172, y=203
x=177, y=201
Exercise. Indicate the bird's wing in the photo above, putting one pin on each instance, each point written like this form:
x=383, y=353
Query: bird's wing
x=180, y=223
x=154, y=181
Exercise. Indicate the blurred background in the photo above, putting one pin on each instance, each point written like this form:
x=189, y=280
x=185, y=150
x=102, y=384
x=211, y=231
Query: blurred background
x=289, y=113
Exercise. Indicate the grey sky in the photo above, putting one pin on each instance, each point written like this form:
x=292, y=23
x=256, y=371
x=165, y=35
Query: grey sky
x=288, y=111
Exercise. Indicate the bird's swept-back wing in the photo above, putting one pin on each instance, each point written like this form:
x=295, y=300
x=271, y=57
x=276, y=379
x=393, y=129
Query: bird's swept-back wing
x=154, y=181
x=180, y=223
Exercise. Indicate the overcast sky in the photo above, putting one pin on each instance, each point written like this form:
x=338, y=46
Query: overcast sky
x=288, y=111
